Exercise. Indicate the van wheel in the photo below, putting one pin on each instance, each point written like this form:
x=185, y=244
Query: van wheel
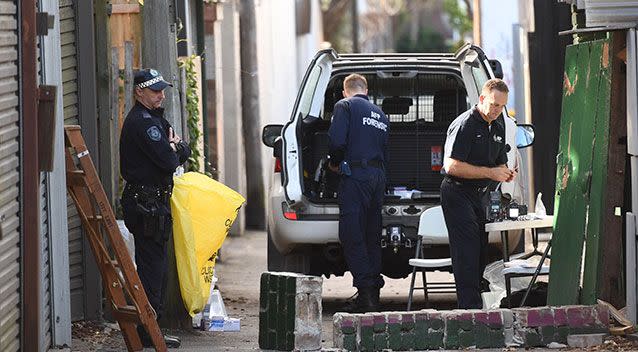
x=296, y=262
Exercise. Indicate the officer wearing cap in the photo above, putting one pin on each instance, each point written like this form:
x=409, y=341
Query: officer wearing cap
x=149, y=154
x=358, y=140
x=475, y=161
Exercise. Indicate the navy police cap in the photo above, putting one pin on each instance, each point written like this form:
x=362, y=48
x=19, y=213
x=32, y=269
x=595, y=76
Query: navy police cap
x=150, y=78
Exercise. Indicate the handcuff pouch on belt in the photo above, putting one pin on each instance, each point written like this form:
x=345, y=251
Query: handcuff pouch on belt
x=152, y=205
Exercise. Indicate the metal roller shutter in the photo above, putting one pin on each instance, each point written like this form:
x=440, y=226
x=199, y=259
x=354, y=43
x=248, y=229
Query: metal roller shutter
x=9, y=180
x=70, y=101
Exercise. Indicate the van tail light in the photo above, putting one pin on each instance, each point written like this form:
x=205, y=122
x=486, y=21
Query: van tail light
x=289, y=213
x=277, y=165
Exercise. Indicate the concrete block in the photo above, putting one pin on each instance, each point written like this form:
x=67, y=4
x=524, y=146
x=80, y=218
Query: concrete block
x=290, y=311
x=585, y=341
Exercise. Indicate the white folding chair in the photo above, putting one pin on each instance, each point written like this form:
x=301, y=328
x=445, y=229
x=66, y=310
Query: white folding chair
x=432, y=230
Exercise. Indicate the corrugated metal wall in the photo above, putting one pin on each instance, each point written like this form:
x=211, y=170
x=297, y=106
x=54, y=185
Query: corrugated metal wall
x=9, y=180
x=611, y=13
x=70, y=101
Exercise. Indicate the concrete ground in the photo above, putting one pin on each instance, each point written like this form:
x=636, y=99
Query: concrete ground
x=243, y=259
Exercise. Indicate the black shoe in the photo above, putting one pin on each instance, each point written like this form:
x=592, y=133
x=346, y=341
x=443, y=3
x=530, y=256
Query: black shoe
x=366, y=301
x=377, y=295
x=169, y=340
x=172, y=341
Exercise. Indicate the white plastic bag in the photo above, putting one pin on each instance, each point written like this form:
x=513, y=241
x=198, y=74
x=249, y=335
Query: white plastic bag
x=539, y=207
x=494, y=274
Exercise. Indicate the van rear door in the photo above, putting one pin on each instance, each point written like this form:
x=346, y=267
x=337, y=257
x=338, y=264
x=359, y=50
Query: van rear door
x=309, y=103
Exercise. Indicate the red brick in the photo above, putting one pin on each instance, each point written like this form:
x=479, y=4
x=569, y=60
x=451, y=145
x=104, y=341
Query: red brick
x=490, y=318
x=540, y=317
x=560, y=316
x=394, y=318
x=602, y=314
x=576, y=316
x=366, y=320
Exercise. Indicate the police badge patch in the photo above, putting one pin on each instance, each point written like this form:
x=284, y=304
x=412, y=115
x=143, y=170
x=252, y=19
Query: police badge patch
x=154, y=133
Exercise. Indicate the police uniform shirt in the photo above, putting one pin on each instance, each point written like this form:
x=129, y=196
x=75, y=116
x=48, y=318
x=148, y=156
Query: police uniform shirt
x=472, y=140
x=146, y=157
x=358, y=132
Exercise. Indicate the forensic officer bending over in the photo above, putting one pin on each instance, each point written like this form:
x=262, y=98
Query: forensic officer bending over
x=475, y=161
x=149, y=154
x=358, y=139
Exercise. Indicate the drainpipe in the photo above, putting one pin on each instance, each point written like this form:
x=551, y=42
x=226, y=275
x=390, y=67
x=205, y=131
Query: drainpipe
x=632, y=150
x=30, y=208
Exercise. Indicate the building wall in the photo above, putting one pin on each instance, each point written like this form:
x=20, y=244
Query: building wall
x=283, y=58
x=229, y=69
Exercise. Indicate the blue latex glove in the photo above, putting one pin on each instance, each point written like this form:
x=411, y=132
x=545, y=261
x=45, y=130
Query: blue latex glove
x=344, y=168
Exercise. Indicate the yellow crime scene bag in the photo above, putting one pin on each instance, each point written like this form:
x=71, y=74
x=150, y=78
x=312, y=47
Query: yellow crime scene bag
x=203, y=211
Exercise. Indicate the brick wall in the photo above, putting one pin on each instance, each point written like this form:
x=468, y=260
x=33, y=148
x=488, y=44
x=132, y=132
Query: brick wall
x=431, y=329
x=289, y=312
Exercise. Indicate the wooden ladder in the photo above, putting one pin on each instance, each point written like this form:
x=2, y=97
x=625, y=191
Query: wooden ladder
x=129, y=303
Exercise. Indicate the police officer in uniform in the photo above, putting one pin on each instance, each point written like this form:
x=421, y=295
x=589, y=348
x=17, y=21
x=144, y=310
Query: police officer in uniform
x=149, y=154
x=475, y=162
x=358, y=139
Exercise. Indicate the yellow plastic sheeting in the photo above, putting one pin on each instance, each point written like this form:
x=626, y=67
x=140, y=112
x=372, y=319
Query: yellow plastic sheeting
x=203, y=212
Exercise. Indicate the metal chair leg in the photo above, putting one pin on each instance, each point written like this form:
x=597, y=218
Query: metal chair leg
x=425, y=288
x=411, y=288
x=508, y=290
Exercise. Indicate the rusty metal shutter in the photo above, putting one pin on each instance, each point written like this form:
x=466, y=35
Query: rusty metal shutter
x=9, y=180
x=70, y=102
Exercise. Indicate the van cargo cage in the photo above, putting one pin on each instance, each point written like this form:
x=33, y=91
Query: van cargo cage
x=395, y=237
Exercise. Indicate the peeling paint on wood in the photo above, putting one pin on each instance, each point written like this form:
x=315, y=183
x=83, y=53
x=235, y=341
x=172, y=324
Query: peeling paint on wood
x=568, y=86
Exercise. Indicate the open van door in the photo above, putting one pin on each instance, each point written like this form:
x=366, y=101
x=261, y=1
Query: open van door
x=307, y=105
x=476, y=69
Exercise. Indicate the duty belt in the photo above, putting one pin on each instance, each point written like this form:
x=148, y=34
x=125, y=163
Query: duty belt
x=159, y=192
x=366, y=163
x=465, y=185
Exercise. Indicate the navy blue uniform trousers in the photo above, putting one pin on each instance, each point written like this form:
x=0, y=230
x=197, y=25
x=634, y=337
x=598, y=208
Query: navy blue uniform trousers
x=360, y=202
x=464, y=212
x=150, y=254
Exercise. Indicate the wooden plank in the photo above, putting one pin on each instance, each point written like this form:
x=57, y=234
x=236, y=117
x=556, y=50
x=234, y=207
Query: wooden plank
x=573, y=170
x=125, y=8
x=600, y=83
x=610, y=280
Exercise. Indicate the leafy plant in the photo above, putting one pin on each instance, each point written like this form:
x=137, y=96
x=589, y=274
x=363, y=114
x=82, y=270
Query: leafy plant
x=192, y=108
